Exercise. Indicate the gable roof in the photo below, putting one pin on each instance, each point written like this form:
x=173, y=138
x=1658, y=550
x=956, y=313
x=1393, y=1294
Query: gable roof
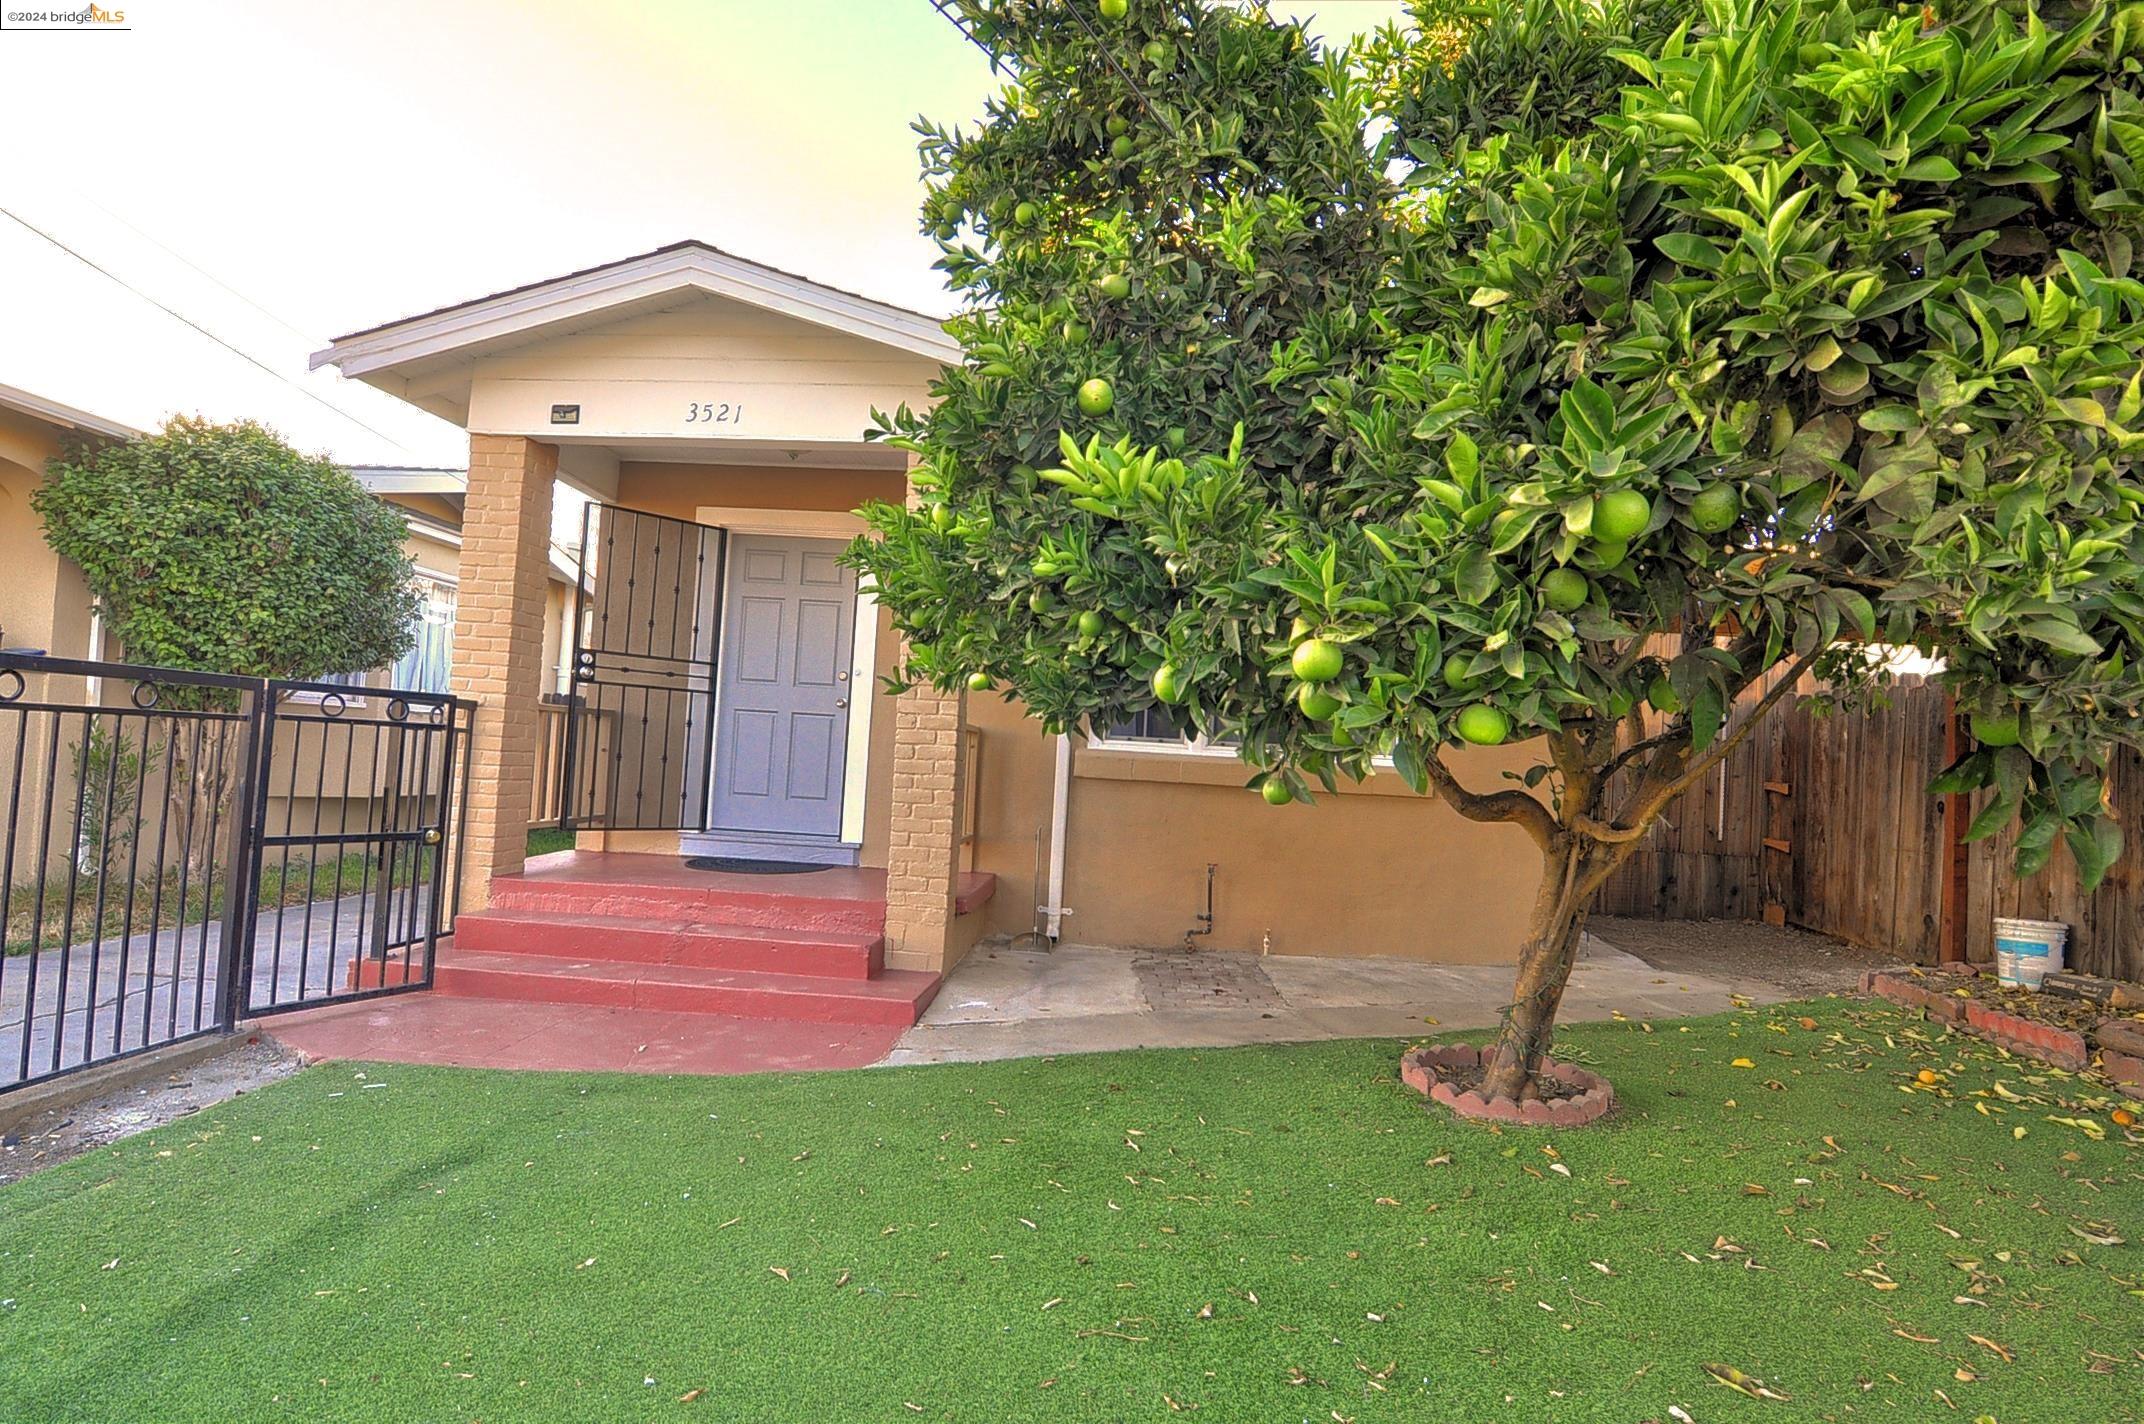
x=66, y=417
x=682, y=266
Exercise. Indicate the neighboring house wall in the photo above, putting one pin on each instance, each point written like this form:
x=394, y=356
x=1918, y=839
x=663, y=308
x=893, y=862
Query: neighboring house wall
x=44, y=604
x=43, y=601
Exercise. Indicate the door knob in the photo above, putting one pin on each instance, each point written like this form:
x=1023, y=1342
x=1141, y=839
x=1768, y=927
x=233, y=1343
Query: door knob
x=841, y=702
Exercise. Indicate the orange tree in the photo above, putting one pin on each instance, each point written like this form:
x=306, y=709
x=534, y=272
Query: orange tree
x=1532, y=363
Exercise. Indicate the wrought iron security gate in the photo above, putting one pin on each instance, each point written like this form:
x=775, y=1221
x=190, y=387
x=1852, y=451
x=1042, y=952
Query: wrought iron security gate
x=182, y=850
x=646, y=638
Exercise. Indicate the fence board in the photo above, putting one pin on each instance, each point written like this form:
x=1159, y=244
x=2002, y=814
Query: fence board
x=1867, y=857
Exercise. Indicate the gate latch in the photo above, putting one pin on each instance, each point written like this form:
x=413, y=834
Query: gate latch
x=431, y=836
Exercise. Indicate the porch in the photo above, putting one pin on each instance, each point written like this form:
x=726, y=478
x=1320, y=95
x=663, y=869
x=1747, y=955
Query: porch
x=726, y=703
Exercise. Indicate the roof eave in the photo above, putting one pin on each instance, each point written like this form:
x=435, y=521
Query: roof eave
x=688, y=266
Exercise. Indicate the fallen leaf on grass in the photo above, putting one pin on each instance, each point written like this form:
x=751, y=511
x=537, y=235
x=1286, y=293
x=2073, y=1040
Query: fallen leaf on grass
x=1741, y=1383
x=1905, y=1334
x=2004, y=1352
x=690, y=1395
x=2099, y=1234
x=782, y=1271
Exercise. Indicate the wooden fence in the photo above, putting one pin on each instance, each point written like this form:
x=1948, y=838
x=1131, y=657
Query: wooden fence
x=1825, y=822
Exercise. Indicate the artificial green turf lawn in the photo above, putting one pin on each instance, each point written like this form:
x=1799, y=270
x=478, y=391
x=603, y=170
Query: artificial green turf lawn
x=1252, y=1232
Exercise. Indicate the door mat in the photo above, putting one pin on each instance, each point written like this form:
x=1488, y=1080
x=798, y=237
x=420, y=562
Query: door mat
x=736, y=865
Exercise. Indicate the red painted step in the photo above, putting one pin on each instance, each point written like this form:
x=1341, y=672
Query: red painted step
x=767, y=908
x=831, y=954
x=896, y=996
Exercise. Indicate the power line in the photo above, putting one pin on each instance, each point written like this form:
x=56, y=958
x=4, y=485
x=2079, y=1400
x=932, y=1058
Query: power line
x=305, y=336
x=178, y=316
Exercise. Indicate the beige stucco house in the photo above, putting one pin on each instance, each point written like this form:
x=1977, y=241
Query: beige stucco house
x=728, y=699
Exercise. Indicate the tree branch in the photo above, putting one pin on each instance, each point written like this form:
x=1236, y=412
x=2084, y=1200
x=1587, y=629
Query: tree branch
x=1513, y=806
x=1647, y=803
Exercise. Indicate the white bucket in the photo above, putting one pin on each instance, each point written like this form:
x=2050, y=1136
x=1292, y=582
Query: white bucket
x=2027, y=951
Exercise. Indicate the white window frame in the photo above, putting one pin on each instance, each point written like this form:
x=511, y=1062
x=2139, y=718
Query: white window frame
x=356, y=695
x=1199, y=746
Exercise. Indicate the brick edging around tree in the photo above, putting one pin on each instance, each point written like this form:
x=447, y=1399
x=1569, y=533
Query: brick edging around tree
x=1418, y=1070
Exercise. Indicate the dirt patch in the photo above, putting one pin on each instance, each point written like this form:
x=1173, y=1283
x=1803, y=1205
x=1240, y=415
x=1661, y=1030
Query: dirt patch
x=1468, y=1080
x=1177, y=979
x=53, y=1135
x=1798, y=963
x=2058, y=1010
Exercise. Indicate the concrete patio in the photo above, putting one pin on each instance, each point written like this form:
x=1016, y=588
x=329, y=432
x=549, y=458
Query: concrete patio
x=1007, y=1003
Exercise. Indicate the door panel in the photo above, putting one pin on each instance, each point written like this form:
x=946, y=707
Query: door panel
x=781, y=728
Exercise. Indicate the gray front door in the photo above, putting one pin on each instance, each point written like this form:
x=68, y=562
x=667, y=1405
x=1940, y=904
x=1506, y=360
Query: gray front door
x=782, y=718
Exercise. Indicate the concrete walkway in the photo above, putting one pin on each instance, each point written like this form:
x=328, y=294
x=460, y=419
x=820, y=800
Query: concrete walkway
x=1006, y=1003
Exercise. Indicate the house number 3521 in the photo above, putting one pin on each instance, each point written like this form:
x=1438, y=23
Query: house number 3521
x=713, y=413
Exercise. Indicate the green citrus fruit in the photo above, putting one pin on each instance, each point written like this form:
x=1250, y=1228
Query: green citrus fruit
x=1997, y=731
x=1715, y=509
x=1114, y=9
x=1620, y=516
x=1605, y=556
x=1075, y=333
x=1168, y=683
x=1662, y=695
x=1117, y=124
x=1317, y=705
x=978, y=682
x=1096, y=397
x=1040, y=601
x=1455, y=674
x=1276, y=792
x=1483, y=725
x=1157, y=52
x=1123, y=146
x=1565, y=590
x=1024, y=213
x=1316, y=660
x=1091, y=624
x=1114, y=285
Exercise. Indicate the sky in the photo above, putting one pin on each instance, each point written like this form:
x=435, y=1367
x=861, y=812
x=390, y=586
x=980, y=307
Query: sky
x=268, y=176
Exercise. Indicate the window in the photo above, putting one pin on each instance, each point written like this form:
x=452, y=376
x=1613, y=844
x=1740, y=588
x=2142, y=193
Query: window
x=425, y=666
x=1151, y=730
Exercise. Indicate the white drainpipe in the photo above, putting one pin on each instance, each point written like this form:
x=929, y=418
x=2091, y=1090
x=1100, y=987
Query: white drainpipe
x=1053, y=911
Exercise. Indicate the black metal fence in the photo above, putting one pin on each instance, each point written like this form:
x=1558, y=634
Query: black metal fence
x=183, y=850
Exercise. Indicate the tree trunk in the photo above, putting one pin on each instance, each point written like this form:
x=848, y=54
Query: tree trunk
x=1545, y=962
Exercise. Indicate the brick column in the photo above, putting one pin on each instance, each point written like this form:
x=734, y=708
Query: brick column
x=498, y=647
x=923, y=852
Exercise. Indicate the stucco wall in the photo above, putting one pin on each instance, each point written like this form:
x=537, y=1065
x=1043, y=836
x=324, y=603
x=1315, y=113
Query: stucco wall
x=43, y=601
x=1375, y=870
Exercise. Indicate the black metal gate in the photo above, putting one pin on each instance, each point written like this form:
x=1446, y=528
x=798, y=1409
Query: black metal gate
x=182, y=850
x=355, y=801
x=646, y=635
